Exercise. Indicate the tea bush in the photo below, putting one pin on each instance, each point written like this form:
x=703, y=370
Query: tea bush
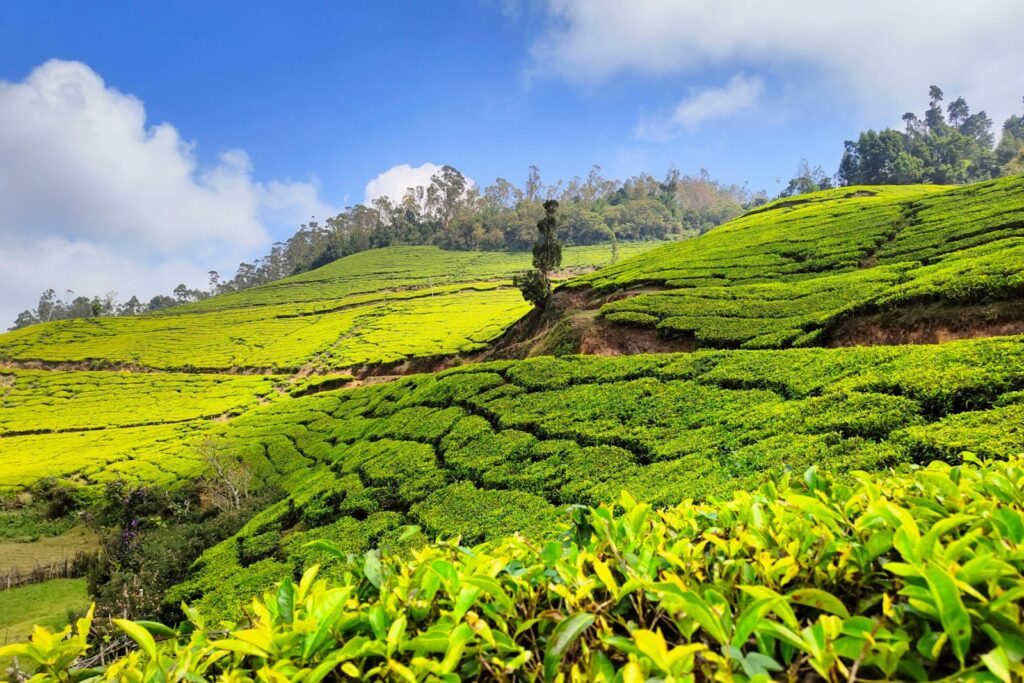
x=488, y=449
x=378, y=306
x=791, y=272
x=915, y=576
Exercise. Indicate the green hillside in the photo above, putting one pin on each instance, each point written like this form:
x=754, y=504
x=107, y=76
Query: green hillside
x=378, y=306
x=491, y=449
x=359, y=473
x=893, y=576
x=93, y=427
x=792, y=272
x=381, y=306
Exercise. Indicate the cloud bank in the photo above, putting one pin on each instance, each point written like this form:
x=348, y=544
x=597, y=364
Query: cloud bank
x=393, y=182
x=738, y=95
x=885, y=53
x=92, y=198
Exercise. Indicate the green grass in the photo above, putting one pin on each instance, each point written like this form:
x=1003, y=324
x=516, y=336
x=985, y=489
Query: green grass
x=789, y=273
x=24, y=556
x=46, y=604
x=487, y=450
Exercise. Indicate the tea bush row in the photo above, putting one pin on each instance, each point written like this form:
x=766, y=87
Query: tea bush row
x=377, y=306
x=506, y=445
x=40, y=400
x=790, y=273
x=915, y=576
x=92, y=427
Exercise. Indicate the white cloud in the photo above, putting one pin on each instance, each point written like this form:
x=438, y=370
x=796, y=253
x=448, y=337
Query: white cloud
x=887, y=52
x=87, y=268
x=393, y=182
x=91, y=197
x=738, y=95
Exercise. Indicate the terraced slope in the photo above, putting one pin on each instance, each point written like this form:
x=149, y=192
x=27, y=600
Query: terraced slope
x=490, y=449
x=796, y=271
x=378, y=306
x=93, y=427
x=162, y=379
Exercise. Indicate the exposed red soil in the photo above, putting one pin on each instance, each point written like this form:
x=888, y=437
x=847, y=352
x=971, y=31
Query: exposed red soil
x=932, y=325
x=602, y=338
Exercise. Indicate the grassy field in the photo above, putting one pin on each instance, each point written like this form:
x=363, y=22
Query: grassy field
x=491, y=449
x=45, y=551
x=789, y=273
x=47, y=604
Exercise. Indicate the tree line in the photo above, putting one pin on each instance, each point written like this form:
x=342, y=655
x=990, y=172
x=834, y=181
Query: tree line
x=947, y=145
x=452, y=213
x=944, y=146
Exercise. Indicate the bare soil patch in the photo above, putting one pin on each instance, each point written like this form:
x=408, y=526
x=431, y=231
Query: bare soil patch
x=932, y=325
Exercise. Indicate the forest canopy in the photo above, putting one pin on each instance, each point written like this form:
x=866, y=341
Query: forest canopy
x=945, y=146
x=453, y=213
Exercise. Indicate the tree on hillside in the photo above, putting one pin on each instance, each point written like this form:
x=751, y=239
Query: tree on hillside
x=229, y=480
x=806, y=180
x=547, y=255
x=445, y=195
x=944, y=147
x=1010, y=151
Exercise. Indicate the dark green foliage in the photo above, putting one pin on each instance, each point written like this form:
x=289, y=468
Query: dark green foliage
x=496, y=448
x=547, y=256
x=935, y=149
x=57, y=498
x=150, y=538
x=475, y=514
x=252, y=549
x=534, y=287
x=792, y=273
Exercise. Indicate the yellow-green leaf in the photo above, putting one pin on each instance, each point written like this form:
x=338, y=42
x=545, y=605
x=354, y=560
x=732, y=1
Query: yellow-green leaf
x=139, y=634
x=819, y=599
x=562, y=638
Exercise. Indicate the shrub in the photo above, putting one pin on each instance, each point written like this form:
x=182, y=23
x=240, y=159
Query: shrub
x=914, y=576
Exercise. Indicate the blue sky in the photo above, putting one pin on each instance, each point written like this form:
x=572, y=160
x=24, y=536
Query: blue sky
x=276, y=111
x=344, y=91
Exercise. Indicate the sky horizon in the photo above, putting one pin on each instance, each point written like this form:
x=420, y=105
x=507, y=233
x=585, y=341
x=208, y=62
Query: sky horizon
x=143, y=144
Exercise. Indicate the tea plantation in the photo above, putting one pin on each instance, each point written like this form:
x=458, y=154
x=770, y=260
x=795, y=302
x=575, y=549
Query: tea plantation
x=789, y=273
x=486, y=450
x=97, y=426
x=378, y=306
x=767, y=508
x=915, y=576
x=381, y=306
